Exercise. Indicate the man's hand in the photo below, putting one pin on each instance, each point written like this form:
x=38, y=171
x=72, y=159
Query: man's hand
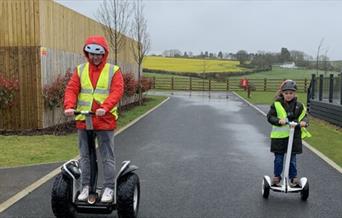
x=282, y=121
x=69, y=112
x=100, y=112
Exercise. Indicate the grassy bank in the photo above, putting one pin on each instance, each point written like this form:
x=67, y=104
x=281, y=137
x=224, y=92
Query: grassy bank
x=326, y=138
x=27, y=150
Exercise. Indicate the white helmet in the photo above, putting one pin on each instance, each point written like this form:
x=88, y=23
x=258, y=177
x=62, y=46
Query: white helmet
x=94, y=49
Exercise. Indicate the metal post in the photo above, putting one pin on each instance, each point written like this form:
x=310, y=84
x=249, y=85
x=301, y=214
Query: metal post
x=320, y=92
x=313, y=86
x=331, y=88
x=341, y=88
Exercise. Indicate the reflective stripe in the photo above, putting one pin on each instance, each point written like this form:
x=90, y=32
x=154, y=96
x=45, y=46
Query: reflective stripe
x=101, y=91
x=83, y=103
x=88, y=91
x=280, y=128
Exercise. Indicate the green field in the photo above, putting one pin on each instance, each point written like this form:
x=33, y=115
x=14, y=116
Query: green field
x=191, y=65
x=28, y=150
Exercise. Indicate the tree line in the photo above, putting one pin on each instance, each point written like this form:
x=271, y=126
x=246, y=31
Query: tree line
x=261, y=59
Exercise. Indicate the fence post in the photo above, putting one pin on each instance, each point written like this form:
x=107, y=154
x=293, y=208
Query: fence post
x=265, y=84
x=209, y=87
x=228, y=87
x=320, y=91
x=313, y=86
x=305, y=85
x=154, y=82
x=172, y=83
x=341, y=88
x=190, y=84
x=331, y=88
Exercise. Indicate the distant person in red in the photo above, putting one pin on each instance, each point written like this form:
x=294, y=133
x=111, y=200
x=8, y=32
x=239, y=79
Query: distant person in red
x=96, y=86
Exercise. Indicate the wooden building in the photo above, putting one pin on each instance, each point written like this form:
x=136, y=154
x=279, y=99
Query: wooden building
x=40, y=39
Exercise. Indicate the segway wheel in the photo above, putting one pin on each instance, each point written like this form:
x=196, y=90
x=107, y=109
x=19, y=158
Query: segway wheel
x=304, y=194
x=265, y=189
x=61, y=198
x=128, y=195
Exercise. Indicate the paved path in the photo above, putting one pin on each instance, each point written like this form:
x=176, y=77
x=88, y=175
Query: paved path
x=202, y=157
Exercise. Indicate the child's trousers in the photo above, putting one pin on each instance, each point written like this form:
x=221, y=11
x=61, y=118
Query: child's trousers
x=278, y=165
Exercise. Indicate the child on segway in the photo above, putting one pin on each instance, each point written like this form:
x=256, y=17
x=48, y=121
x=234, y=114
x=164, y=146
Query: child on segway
x=98, y=87
x=285, y=109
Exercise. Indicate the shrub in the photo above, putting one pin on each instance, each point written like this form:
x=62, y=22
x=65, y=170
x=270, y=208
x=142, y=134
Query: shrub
x=8, y=90
x=146, y=84
x=130, y=84
x=54, y=93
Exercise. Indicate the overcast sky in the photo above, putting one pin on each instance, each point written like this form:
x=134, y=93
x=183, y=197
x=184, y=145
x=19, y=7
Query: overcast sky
x=229, y=26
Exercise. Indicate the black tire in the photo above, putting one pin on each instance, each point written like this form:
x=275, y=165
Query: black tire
x=304, y=194
x=265, y=189
x=61, y=198
x=128, y=196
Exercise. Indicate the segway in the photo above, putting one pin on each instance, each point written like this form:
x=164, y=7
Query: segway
x=285, y=183
x=67, y=186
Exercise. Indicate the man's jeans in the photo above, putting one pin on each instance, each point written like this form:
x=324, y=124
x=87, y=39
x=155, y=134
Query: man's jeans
x=106, y=147
x=278, y=165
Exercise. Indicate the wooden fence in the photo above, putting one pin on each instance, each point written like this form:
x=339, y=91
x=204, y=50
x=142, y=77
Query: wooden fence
x=195, y=84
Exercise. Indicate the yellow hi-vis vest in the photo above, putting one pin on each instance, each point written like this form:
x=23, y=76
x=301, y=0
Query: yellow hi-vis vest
x=283, y=131
x=88, y=94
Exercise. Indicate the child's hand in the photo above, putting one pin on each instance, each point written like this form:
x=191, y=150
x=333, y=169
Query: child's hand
x=282, y=121
x=303, y=124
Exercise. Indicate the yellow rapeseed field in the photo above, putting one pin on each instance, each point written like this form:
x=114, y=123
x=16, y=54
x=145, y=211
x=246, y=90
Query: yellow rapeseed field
x=191, y=65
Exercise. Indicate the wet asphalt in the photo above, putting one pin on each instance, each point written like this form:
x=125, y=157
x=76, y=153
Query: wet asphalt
x=206, y=157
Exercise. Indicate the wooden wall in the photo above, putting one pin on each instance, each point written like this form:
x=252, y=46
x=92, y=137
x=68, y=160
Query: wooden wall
x=40, y=39
x=19, y=58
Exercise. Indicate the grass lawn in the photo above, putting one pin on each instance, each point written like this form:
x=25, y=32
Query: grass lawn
x=326, y=138
x=282, y=73
x=267, y=97
x=191, y=65
x=28, y=150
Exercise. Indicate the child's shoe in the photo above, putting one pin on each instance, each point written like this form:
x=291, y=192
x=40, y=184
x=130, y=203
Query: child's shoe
x=295, y=182
x=276, y=181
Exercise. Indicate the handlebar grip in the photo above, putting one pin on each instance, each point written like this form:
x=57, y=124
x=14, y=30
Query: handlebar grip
x=84, y=112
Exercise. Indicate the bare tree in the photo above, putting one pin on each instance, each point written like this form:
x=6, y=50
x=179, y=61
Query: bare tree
x=114, y=15
x=141, y=40
x=317, y=58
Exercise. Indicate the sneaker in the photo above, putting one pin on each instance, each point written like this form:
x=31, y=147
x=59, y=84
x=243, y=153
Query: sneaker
x=295, y=182
x=276, y=181
x=107, y=195
x=84, y=194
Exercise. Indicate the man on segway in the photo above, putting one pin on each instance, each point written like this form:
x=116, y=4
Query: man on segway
x=96, y=86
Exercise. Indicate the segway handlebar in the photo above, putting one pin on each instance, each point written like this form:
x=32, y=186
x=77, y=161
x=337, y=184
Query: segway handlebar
x=294, y=124
x=84, y=113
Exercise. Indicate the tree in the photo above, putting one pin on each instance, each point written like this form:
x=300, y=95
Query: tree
x=114, y=15
x=220, y=55
x=141, y=40
x=285, y=55
x=242, y=56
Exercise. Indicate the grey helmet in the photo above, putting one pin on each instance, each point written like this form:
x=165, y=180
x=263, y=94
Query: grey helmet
x=94, y=49
x=289, y=85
